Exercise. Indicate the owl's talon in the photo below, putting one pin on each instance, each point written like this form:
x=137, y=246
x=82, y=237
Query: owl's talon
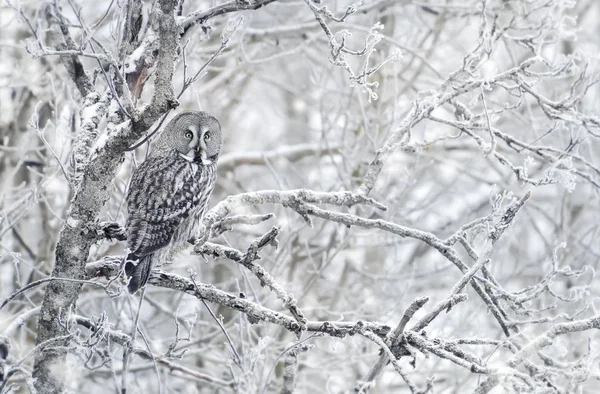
x=112, y=230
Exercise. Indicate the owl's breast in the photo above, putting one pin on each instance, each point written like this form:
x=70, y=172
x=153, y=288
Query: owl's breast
x=187, y=229
x=196, y=183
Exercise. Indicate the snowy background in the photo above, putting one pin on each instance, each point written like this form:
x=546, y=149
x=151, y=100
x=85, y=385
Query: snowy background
x=469, y=106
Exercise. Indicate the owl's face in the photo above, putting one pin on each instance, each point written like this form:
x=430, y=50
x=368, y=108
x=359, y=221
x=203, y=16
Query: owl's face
x=196, y=136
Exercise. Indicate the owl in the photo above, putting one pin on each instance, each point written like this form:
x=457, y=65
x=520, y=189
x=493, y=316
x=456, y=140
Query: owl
x=169, y=192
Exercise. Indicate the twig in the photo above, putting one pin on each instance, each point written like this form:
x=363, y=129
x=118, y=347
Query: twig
x=391, y=341
x=248, y=260
x=386, y=350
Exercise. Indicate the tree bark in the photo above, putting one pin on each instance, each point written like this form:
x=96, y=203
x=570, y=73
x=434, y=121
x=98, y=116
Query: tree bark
x=79, y=231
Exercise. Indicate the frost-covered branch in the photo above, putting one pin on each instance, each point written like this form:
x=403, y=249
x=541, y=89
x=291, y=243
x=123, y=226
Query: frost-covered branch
x=248, y=260
x=392, y=341
x=254, y=312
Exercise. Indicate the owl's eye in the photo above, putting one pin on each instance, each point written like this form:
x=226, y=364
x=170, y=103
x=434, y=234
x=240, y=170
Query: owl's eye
x=206, y=136
x=189, y=135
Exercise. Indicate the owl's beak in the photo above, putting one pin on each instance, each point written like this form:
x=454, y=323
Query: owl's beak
x=198, y=153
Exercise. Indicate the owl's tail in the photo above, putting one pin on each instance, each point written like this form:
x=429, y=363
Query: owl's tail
x=138, y=273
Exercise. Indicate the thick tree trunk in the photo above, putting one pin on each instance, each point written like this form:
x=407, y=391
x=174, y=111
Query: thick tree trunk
x=79, y=231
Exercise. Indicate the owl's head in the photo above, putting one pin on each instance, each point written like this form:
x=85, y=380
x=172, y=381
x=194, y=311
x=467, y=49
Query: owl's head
x=196, y=136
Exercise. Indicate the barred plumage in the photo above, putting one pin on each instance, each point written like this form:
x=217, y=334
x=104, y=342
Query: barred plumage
x=169, y=192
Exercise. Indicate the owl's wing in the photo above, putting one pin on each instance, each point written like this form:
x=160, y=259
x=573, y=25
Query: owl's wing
x=163, y=192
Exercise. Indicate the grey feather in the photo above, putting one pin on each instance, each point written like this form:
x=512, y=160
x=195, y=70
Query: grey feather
x=169, y=192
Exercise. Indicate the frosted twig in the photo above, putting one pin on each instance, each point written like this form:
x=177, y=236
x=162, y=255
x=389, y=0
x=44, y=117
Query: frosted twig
x=125, y=340
x=11, y=330
x=227, y=223
x=199, y=17
x=391, y=341
x=489, y=124
x=290, y=368
x=46, y=280
x=338, y=48
x=426, y=345
x=292, y=153
x=547, y=338
x=248, y=260
x=422, y=109
x=386, y=350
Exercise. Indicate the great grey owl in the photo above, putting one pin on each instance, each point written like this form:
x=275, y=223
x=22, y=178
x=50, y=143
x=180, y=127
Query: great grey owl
x=169, y=192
